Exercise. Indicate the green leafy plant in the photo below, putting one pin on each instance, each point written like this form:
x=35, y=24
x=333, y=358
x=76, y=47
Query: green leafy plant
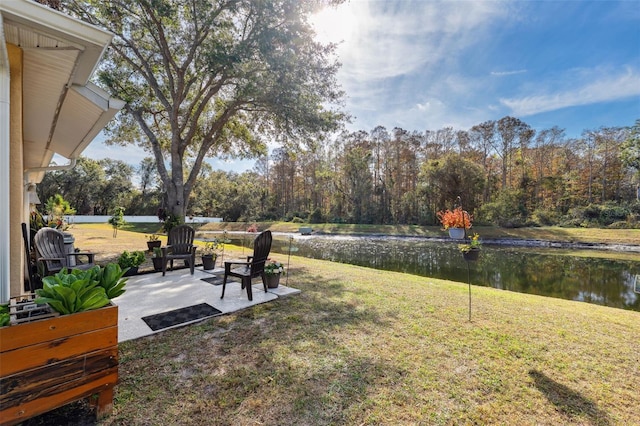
x=36, y=222
x=130, y=259
x=273, y=267
x=5, y=317
x=58, y=207
x=474, y=244
x=170, y=221
x=212, y=248
x=157, y=252
x=153, y=237
x=71, y=291
x=110, y=278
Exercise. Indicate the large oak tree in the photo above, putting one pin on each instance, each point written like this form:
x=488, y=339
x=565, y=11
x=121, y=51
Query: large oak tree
x=206, y=78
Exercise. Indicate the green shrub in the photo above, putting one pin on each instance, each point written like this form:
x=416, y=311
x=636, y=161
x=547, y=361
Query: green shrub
x=575, y=213
x=130, y=260
x=585, y=216
x=542, y=217
x=620, y=225
x=5, y=317
x=613, y=213
x=316, y=216
x=507, y=211
x=170, y=222
x=571, y=223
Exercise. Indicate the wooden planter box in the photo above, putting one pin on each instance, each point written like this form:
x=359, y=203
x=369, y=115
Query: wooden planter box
x=51, y=362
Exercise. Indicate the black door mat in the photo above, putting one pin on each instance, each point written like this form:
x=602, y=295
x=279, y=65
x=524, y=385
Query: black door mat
x=179, y=316
x=218, y=280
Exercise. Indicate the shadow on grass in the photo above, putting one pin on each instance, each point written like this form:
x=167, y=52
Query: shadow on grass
x=299, y=347
x=568, y=401
x=77, y=413
x=320, y=376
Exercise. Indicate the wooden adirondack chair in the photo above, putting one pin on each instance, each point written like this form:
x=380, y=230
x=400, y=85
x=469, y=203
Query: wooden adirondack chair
x=179, y=246
x=51, y=252
x=253, y=267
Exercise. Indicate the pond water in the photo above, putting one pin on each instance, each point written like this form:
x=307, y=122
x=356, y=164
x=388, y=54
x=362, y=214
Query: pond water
x=546, y=272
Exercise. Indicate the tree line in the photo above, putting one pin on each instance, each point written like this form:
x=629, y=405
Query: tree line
x=503, y=172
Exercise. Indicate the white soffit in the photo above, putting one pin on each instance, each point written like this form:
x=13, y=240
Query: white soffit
x=86, y=110
x=39, y=26
x=62, y=111
x=45, y=75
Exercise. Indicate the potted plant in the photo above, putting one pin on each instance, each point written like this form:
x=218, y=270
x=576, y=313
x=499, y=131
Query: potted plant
x=273, y=269
x=130, y=262
x=471, y=250
x=210, y=254
x=153, y=241
x=156, y=258
x=455, y=221
x=53, y=358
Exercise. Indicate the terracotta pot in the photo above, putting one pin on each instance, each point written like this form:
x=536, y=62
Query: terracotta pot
x=273, y=280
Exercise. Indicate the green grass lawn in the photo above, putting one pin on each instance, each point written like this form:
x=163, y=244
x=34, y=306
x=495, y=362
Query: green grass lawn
x=362, y=346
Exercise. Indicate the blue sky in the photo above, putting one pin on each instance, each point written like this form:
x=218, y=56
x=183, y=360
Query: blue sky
x=424, y=65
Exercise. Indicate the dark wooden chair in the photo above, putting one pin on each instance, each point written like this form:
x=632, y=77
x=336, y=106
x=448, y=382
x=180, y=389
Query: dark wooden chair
x=253, y=267
x=179, y=246
x=51, y=251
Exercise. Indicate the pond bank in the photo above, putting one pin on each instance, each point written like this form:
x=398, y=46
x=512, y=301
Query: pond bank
x=515, y=242
x=565, y=245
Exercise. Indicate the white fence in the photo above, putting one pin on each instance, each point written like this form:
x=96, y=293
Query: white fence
x=135, y=219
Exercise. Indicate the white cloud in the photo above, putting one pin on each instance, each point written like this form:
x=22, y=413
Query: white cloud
x=388, y=39
x=506, y=73
x=593, y=86
x=399, y=56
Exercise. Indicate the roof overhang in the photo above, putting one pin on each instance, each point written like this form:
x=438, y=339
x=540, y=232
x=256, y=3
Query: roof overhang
x=62, y=111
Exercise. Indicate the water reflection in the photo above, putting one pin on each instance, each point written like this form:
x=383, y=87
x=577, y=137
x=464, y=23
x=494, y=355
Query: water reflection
x=542, y=272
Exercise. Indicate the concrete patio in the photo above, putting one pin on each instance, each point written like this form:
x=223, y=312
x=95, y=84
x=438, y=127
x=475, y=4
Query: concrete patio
x=150, y=294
